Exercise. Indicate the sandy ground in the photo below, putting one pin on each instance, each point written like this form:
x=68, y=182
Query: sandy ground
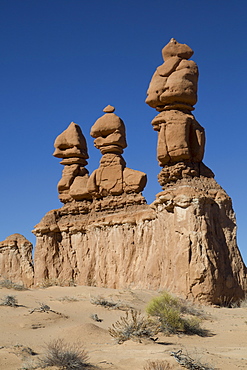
x=224, y=348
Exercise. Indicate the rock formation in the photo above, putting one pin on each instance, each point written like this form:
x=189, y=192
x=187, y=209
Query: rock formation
x=71, y=146
x=185, y=241
x=173, y=92
x=113, y=177
x=16, y=262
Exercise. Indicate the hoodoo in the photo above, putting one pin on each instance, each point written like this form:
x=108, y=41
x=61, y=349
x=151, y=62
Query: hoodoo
x=106, y=235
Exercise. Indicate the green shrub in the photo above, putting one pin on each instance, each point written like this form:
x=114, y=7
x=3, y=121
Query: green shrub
x=172, y=314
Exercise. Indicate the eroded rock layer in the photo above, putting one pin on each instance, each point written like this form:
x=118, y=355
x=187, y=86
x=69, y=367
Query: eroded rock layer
x=185, y=242
x=16, y=262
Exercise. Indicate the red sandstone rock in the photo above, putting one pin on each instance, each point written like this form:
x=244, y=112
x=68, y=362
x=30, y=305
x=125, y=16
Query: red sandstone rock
x=16, y=262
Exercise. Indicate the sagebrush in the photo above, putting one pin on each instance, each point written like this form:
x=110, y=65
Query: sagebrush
x=175, y=316
x=134, y=326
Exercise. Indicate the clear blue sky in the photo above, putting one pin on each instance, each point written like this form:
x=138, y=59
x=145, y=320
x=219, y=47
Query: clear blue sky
x=65, y=60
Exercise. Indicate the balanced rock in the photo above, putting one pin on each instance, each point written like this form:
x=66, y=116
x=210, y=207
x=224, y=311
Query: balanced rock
x=174, y=83
x=72, y=147
x=173, y=92
x=16, y=262
x=112, y=177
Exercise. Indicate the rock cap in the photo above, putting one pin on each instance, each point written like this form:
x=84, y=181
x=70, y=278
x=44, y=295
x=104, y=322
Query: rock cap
x=109, y=109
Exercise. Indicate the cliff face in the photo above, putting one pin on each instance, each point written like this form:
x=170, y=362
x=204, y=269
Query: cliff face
x=184, y=242
x=16, y=260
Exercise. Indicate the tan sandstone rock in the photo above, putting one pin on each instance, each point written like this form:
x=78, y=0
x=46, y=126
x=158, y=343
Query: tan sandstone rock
x=184, y=242
x=16, y=262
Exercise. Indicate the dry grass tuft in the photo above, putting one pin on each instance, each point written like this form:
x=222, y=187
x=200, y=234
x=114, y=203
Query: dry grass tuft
x=157, y=365
x=65, y=356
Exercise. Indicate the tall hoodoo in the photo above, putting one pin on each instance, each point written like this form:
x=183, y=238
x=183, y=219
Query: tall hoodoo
x=71, y=146
x=173, y=92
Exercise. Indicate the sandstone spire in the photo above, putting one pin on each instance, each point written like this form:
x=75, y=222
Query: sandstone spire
x=173, y=92
x=112, y=177
x=72, y=147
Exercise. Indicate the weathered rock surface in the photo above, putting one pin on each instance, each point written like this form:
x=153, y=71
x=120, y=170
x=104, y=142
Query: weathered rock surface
x=185, y=242
x=16, y=262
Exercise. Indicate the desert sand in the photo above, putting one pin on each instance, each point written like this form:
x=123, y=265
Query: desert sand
x=224, y=348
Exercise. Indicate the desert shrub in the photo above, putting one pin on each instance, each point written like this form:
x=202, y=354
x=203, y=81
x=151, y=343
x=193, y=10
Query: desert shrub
x=133, y=326
x=101, y=301
x=188, y=362
x=157, y=365
x=173, y=315
x=48, y=282
x=65, y=356
x=9, y=300
x=9, y=284
x=68, y=299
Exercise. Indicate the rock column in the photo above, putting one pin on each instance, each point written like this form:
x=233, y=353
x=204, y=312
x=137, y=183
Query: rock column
x=71, y=146
x=173, y=92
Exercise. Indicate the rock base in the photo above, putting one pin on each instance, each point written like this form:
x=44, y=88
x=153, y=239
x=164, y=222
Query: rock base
x=185, y=242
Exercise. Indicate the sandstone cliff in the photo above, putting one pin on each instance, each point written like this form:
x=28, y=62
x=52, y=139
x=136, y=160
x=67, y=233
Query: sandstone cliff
x=16, y=262
x=185, y=242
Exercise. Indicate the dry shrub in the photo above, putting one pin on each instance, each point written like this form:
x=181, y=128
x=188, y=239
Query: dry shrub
x=133, y=326
x=65, y=356
x=9, y=284
x=68, y=299
x=157, y=365
x=188, y=362
x=175, y=316
x=101, y=301
x=48, y=282
x=9, y=300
